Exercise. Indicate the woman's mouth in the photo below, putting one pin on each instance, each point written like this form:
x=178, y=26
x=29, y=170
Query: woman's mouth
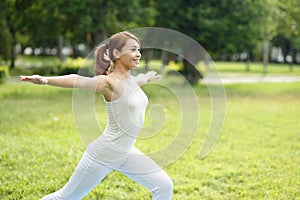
x=136, y=61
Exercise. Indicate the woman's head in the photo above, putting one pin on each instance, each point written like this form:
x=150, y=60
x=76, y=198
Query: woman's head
x=104, y=55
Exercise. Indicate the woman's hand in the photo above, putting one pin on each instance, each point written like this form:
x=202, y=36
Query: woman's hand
x=37, y=79
x=151, y=76
x=142, y=79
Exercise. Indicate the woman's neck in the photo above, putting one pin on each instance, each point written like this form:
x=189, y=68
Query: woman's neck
x=120, y=74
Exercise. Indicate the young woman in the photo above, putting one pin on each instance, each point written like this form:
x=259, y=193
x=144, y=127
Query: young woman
x=125, y=104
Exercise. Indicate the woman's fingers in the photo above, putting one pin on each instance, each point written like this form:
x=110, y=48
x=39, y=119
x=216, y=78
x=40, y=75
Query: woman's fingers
x=34, y=79
x=151, y=75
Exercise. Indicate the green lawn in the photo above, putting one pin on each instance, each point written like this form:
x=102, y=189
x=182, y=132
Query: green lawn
x=256, y=69
x=256, y=157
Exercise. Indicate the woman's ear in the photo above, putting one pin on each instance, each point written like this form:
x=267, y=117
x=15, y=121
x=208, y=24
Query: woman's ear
x=116, y=53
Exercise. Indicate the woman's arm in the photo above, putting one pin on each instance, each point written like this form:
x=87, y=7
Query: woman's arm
x=142, y=79
x=69, y=81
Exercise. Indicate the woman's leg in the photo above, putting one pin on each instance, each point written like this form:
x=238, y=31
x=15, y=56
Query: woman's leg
x=86, y=176
x=146, y=172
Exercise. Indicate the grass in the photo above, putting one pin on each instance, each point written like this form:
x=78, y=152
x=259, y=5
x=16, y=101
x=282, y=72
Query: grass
x=256, y=69
x=238, y=68
x=36, y=60
x=257, y=156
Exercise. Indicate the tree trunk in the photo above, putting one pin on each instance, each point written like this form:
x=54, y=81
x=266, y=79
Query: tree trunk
x=147, y=56
x=207, y=61
x=266, y=56
x=191, y=74
x=99, y=37
x=248, y=62
x=60, y=46
x=190, y=59
x=290, y=61
x=12, y=57
x=13, y=42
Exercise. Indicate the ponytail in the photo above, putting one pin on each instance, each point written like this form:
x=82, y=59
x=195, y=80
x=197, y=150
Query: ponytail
x=102, y=60
x=103, y=53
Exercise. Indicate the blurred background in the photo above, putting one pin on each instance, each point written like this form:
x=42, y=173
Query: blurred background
x=51, y=37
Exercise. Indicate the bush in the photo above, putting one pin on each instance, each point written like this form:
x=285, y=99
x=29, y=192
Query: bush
x=4, y=73
x=77, y=66
x=53, y=67
x=45, y=66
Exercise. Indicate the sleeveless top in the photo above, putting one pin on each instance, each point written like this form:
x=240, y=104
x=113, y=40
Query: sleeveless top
x=125, y=120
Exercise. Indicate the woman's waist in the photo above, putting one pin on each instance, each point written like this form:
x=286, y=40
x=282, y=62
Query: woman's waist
x=113, y=131
x=110, y=151
x=118, y=143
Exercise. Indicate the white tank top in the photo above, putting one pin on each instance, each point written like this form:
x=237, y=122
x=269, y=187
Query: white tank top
x=125, y=120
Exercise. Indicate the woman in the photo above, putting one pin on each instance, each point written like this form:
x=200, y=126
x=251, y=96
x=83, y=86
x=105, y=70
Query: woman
x=125, y=104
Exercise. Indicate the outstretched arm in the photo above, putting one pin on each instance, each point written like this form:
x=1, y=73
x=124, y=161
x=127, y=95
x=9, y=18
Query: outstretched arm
x=142, y=79
x=68, y=81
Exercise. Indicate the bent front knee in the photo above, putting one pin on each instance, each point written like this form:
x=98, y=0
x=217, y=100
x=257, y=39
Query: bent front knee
x=167, y=186
x=164, y=190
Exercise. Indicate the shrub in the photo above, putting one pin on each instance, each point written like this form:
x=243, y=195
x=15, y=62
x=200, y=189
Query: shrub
x=53, y=67
x=4, y=73
x=77, y=66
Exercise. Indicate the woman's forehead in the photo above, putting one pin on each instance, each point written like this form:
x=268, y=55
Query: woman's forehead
x=132, y=43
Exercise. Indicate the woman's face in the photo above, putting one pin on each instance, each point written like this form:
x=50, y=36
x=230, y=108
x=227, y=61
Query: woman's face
x=130, y=54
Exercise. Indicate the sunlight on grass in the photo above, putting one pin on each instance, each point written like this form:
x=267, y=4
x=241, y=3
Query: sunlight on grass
x=255, y=158
x=239, y=69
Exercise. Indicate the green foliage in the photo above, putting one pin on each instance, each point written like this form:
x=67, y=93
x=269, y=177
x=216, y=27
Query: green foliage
x=255, y=158
x=46, y=66
x=4, y=73
x=5, y=40
x=77, y=65
x=74, y=19
x=286, y=32
x=220, y=26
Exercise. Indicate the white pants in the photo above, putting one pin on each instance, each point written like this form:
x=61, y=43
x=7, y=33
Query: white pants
x=137, y=166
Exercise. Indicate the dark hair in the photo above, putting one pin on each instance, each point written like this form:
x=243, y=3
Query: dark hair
x=103, y=53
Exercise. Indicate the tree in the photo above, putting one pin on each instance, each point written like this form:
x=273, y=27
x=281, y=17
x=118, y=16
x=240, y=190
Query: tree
x=287, y=29
x=8, y=31
x=5, y=39
x=40, y=23
x=179, y=15
x=220, y=26
x=233, y=26
x=22, y=21
x=269, y=22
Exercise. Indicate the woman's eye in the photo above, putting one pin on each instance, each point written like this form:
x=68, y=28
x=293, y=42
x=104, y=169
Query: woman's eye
x=133, y=50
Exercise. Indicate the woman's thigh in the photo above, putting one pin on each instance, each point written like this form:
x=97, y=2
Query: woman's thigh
x=145, y=171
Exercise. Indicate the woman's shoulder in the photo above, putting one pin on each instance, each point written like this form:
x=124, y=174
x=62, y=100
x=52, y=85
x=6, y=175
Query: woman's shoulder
x=110, y=81
x=104, y=79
